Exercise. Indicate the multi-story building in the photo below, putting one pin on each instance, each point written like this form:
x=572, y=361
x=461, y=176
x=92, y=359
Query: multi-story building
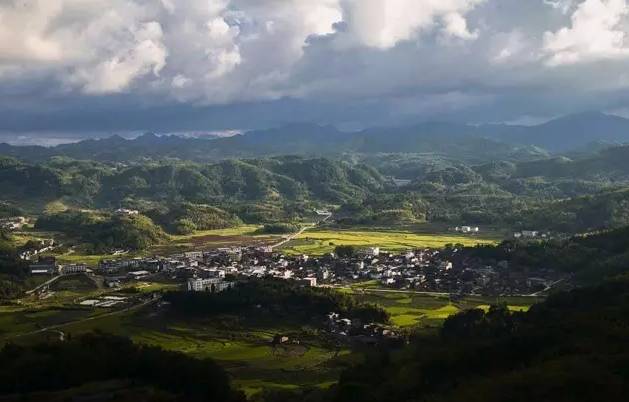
x=213, y=285
x=73, y=269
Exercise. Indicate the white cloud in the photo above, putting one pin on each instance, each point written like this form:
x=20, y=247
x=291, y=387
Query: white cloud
x=180, y=81
x=23, y=32
x=596, y=32
x=434, y=54
x=146, y=54
x=456, y=26
x=97, y=46
x=384, y=23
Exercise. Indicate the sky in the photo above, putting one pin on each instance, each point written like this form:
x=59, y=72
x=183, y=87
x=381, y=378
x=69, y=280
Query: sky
x=104, y=66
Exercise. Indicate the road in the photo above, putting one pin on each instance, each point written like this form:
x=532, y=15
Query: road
x=57, y=328
x=47, y=283
x=301, y=231
x=548, y=288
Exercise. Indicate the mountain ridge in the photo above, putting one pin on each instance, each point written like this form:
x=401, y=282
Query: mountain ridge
x=484, y=142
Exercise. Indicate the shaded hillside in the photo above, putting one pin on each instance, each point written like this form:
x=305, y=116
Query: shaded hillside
x=97, y=358
x=591, y=258
x=570, y=348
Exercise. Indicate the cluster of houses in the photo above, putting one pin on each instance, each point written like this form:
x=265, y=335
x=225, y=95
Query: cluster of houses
x=467, y=229
x=47, y=265
x=450, y=270
x=36, y=247
x=530, y=234
x=13, y=223
x=127, y=212
x=358, y=331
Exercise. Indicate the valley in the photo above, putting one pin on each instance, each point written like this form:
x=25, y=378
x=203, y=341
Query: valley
x=314, y=201
x=292, y=272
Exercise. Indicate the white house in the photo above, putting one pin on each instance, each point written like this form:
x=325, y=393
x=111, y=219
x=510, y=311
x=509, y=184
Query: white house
x=138, y=274
x=73, y=269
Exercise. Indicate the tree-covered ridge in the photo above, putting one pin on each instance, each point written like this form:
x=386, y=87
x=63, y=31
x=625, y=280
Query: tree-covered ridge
x=565, y=195
x=291, y=179
x=185, y=218
x=592, y=258
x=105, y=232
x=97, y=358
x=13, y=269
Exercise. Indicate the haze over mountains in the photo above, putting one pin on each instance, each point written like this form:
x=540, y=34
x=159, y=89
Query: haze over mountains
x=492, y=141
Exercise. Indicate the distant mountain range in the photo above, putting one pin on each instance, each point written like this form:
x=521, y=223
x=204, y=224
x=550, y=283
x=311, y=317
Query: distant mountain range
x=568, y=133
x=474, y=143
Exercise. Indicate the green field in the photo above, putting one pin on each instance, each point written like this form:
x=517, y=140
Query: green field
x=317, y=242
x=91, y=260
x=242, y=346
x=409, y=309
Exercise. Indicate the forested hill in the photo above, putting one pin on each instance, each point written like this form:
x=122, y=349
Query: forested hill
x=559, y=194
x=93, y=183
x=104, y=367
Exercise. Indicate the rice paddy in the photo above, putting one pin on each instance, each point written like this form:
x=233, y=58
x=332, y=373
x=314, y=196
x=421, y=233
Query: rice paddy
x=318, y=242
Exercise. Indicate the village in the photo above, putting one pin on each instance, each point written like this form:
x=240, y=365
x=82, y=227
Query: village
x=450, y=270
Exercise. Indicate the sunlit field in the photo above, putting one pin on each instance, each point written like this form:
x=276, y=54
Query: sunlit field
x=411, y=309
x=317, y=242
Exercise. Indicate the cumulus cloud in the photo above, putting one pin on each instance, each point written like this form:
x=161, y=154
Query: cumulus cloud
x=597, y=31
x=145, y=53
x=410, y=55
x=384, y=23
x=96, y=46
x=23, y=32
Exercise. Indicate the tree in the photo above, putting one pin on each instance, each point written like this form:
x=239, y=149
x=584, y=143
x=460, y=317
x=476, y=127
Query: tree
x=345, y=251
